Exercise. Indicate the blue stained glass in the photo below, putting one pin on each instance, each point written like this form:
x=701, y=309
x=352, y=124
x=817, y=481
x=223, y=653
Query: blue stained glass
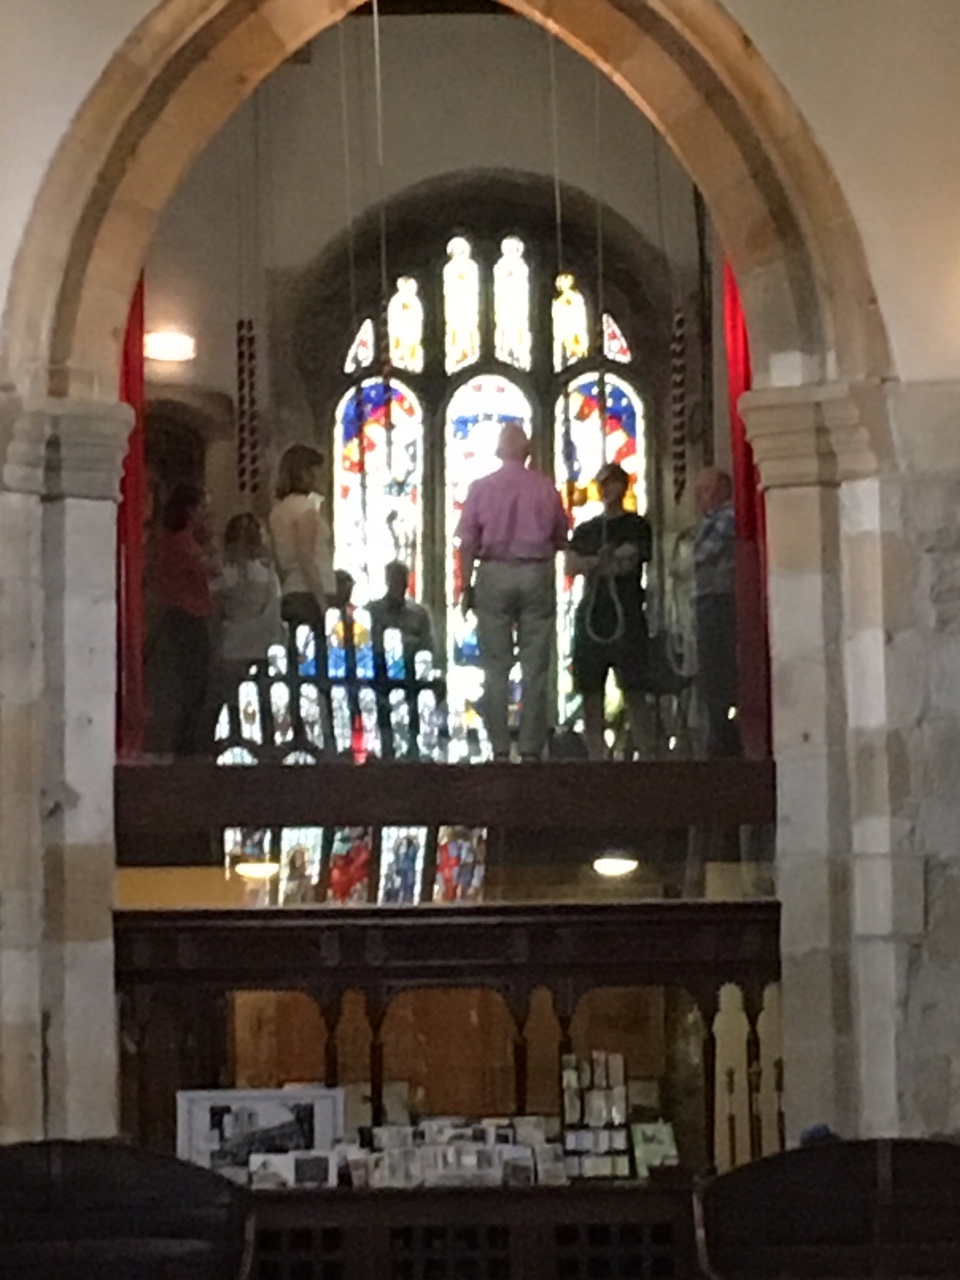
x=363, y=642
x=377, y=508
x=393, y=654
x=401, y=865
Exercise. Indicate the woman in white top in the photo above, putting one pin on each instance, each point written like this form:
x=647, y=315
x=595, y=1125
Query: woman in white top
x=302, y=541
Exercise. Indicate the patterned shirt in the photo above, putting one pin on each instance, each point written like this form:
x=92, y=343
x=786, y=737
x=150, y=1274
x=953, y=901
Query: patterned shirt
x=714, y=553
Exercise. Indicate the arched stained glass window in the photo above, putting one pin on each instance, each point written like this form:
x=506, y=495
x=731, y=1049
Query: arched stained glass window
x=406, y=450
x=615, y=345
x=378, y=466
x=476, y=413
x=571, y=332
x=461, y=306
x=584, y=440
x=511, y=305
x=360, y=355
x=405, y=327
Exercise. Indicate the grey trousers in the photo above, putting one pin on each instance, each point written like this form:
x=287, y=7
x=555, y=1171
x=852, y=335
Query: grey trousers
x=521, y=596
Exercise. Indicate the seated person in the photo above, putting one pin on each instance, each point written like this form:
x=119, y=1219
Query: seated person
x=610, y=628
x=397, y=611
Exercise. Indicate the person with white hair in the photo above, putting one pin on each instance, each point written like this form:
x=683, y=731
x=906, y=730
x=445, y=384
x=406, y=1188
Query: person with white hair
x=512, y=525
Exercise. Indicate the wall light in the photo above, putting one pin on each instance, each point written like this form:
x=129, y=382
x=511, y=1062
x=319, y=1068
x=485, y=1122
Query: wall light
x=611, y=865
x=256, y=870
x=169, y=346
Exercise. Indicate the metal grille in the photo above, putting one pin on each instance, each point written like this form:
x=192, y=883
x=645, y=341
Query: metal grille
x=450, y=1253
x=615, y=1251
x=301, y=1253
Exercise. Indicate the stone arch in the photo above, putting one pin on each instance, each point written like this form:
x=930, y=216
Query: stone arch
x=780, y=214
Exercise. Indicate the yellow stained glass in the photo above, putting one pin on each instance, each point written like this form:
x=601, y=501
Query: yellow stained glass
x=461, y=305
x=405, y=326
x=511, y=305
x=571, y=335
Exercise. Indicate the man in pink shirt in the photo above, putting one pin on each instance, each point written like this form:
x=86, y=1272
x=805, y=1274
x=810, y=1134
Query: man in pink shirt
x=514, y=524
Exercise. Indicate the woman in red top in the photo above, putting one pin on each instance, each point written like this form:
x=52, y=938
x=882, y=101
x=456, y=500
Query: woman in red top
x=179, y=653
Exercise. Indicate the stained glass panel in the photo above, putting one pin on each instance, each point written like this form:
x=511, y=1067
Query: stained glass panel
x=511, y=305
x=402, y=852
x=585, y=439
x=350, y=859
x=615, y=345
x=360, y=355
x=477, y=412
x=461, y=862
x=571, y=332
x=405, y=326
x=461, y=306
x=377, y=505
x=301, y=858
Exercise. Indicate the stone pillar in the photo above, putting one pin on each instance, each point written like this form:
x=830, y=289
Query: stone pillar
x=22, y=1093
x=62, y=481
x=808, y=442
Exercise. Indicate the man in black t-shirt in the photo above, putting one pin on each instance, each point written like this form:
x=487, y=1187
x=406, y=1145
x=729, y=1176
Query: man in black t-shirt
x=610, y=630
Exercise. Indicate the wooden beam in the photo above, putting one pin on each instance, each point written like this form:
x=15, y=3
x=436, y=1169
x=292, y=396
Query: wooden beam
x=568, y=949
x=189, y=796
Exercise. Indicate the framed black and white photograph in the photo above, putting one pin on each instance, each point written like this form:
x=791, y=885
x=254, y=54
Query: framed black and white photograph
x=221, y=1129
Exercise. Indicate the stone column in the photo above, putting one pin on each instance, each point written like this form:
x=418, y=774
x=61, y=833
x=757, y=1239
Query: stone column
x=807, y=441
x=22, y=1091
x=62, y=481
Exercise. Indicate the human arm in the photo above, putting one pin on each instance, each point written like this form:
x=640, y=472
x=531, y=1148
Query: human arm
x=585, y=553
x=469, y=532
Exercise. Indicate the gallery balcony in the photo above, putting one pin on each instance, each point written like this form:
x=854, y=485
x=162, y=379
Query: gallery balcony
x=353, y=776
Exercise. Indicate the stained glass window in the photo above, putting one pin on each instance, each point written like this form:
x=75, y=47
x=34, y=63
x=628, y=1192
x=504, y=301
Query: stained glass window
x=615, y=345
x=476, y=413
x=571, y=333
x=381, y=513
x=585, y=439
x=350, y=859
x=301, y=857
x=461, y=861
x=405, y=326
x=402, y=852
x=360, y=355
x=376, y=503
x=511, y=305
x=461, y=306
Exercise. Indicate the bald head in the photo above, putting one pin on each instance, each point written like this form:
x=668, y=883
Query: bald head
x=711, y=489
x=513, y=445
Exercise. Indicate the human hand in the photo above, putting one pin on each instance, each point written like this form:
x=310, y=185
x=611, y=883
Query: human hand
x=626, y=557
x=467, y=600
x=606, y=561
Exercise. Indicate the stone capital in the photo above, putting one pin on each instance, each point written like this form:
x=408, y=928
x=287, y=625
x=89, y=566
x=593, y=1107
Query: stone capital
x=809, y=435
x=68, y=449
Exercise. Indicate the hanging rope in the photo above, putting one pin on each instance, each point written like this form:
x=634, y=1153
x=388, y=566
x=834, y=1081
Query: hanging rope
x=593, y=587
x=358, y=403
x=383, y=328
x=678, y=403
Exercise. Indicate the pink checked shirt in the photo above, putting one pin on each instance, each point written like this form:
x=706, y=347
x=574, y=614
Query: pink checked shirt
x=512, y=515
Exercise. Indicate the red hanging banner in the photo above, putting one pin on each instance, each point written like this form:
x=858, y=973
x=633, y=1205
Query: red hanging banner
x=131, y=708
x=753, y=654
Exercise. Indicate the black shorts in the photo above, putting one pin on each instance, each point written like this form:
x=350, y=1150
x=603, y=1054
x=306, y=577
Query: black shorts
x=628, y=658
